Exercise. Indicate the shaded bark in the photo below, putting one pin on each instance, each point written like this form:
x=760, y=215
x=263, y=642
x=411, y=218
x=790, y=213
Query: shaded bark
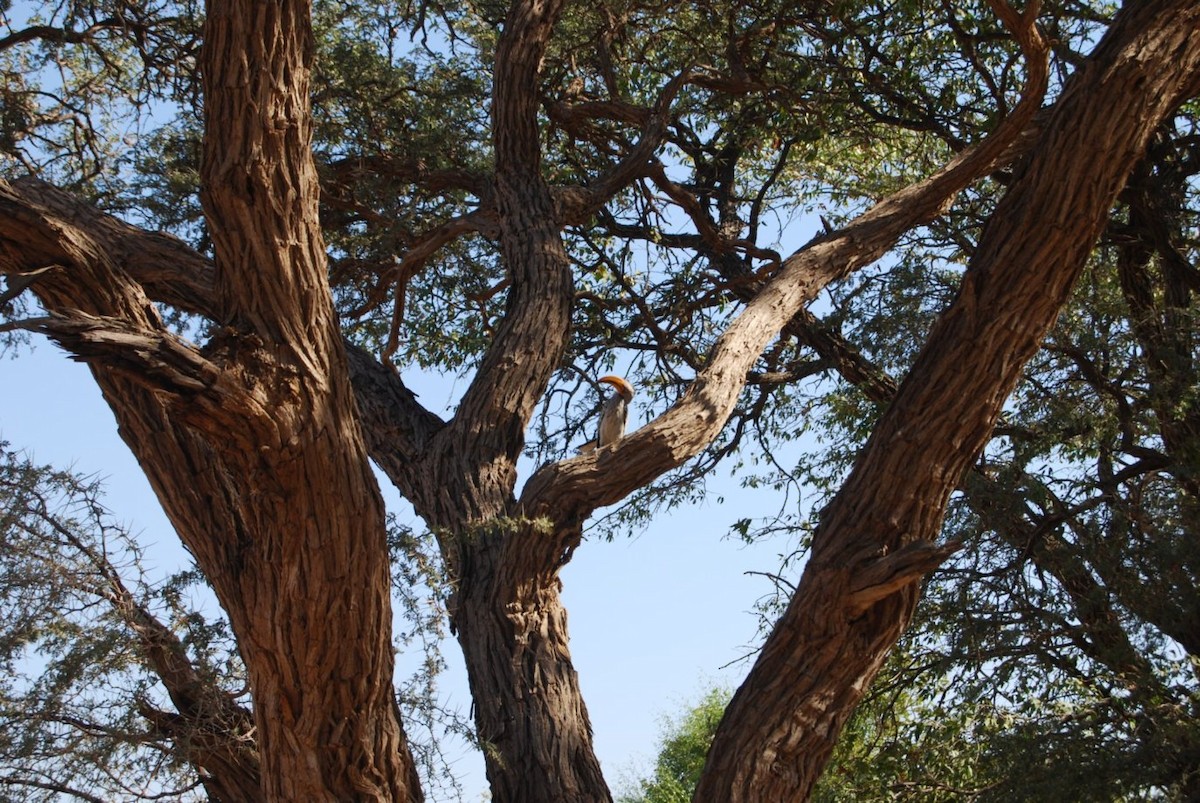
x=782, y=723
x=1160, y=310
x=253, y=446
x=529, y=711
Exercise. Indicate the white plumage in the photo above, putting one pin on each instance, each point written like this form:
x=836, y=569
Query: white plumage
x=613, y=414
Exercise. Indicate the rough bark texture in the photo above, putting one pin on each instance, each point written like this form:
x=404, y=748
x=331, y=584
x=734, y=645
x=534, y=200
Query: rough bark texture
x=782, y=723
x=308, y=591
x=253, y=444
x=510, y=621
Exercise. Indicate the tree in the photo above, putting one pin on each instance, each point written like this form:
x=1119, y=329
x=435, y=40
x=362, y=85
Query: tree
x=681, y=759
x=87, y=699
x=351, y=197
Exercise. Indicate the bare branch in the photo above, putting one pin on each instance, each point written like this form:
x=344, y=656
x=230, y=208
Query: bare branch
x=157, y=359
x=343, y=171
x=428, y=244
x=48, y=33
x=893, y=571
x=608, y=475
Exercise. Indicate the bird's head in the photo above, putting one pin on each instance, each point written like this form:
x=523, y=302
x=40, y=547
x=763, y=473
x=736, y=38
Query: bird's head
x=621, y=386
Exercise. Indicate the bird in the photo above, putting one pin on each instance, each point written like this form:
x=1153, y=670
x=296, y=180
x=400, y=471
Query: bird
x=613, y=415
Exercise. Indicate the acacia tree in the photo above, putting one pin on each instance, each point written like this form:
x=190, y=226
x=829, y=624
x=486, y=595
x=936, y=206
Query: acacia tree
x=524, y=206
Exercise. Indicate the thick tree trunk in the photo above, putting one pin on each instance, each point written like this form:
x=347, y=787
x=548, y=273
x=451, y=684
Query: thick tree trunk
x=311, y=605
x=860, y=586
x=506, y=609
x=253, y=446
x=529, y=712
x=265, y=481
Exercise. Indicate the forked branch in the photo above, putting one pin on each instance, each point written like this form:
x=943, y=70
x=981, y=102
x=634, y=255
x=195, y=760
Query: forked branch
x=582, y=484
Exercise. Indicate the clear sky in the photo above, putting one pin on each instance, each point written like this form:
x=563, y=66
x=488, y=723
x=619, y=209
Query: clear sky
x=655, y=620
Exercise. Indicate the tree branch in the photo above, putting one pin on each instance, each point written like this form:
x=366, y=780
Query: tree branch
x=895, y=570
x=45, y=232
x=582, y=484
x=488, y=430
x=577, y=204
x=397, y=428
x=342, y=172
x=160, y=362
x=898, y=489
x=41, y=226
x=49, y=33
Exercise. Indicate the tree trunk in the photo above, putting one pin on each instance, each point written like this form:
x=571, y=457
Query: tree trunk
x=860, y=586
x=529, y=711
x=310, y=597
x=253, y=446
x=279, y=523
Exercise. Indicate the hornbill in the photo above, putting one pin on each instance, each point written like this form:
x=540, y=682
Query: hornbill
x=613, y=414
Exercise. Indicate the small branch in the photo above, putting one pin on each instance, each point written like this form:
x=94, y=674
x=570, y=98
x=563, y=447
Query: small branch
x=415, y=258
x=892, y=572
x=49, y=786
x=49, y=33
x=344, y=171
x=19, y=283
x=578, y=203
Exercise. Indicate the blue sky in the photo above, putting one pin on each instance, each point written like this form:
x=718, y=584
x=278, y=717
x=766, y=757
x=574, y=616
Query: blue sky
x=656, y=619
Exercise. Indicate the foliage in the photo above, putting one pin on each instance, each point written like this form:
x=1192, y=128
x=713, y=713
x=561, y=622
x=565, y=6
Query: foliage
x=75, y=686
x=685, y=744
x=1057, y=650
x=81, y=696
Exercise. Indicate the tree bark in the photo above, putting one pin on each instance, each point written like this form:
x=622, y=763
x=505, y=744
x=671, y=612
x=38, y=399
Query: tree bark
x=506, y=609
x=530, y=715
x=310, y=597
x=255, y=449
x=253, y=446
x=781, y=725
x=196, y=422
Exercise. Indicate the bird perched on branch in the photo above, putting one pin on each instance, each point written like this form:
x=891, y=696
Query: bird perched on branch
x=613, y=414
